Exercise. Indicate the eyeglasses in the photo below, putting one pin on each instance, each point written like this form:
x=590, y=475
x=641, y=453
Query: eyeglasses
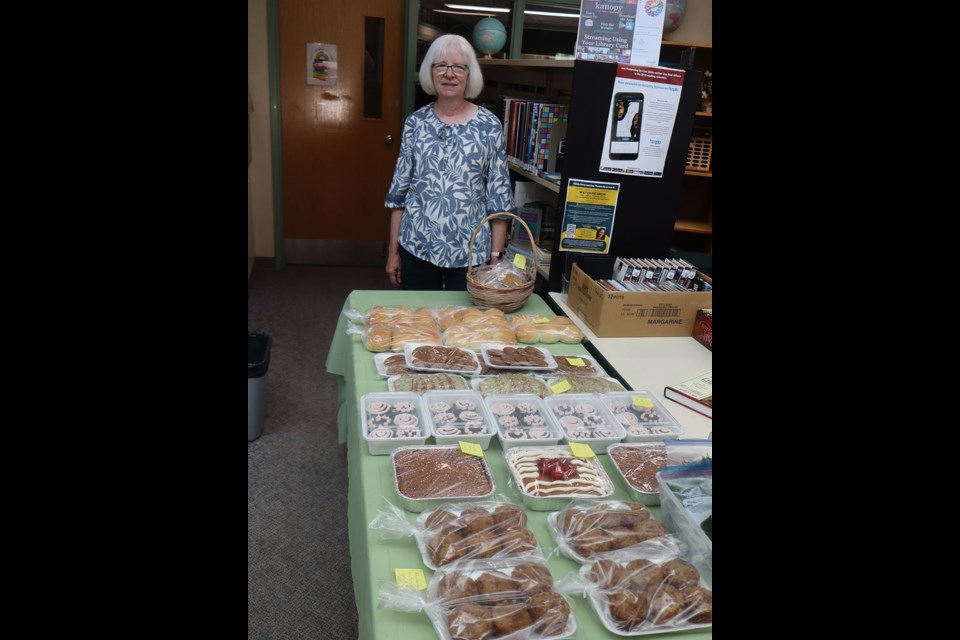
x=458, y=69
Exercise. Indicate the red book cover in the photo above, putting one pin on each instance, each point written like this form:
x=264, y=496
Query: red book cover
x=695, y=393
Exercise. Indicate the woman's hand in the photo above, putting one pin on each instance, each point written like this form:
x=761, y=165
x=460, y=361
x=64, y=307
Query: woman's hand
x=393, y=269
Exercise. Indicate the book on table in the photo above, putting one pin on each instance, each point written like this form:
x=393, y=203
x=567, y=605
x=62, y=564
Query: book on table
x=695, y=393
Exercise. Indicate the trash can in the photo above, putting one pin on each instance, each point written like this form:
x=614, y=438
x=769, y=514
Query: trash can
x=258, y=361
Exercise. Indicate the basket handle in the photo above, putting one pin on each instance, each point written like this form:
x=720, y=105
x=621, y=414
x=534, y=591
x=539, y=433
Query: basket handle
x=533, y=245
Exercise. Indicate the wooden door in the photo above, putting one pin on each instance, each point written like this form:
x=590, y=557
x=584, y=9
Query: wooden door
x=337, y=161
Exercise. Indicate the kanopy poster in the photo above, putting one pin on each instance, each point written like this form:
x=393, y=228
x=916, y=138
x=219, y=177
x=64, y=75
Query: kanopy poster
x=640, y=118
x=321, y=64
x=588, y=215
x=627, y=31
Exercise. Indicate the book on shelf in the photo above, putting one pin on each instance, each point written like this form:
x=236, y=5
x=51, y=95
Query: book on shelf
x=695, y=393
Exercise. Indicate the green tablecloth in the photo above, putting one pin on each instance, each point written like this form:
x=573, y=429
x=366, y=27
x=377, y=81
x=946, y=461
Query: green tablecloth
x=371, y=479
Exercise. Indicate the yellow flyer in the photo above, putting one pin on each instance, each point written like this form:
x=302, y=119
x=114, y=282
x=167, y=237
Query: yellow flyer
x=588, y=216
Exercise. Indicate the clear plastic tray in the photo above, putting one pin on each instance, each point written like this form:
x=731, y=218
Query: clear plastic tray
x=423, y=382
x=587, y=384
x=699, y=547
x=425, y=477
x=392, y=420
x=543, y=494
x=589, y=368
x=588, y=530
x=459, y=415
x=487, y=347
x=650, y=422
x=637, y=464
x=470, y=364
x=510, y=383
x=398, y=365
x=522, y=420
x=583, y=418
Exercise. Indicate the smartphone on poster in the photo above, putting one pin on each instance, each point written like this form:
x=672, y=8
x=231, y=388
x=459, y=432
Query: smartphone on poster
x=625, y=126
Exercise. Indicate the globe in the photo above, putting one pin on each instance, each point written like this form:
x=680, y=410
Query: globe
x=489, y=36
x=675, y=13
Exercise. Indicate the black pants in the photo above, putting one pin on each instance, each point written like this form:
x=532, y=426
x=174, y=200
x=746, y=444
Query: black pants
x=420, y=275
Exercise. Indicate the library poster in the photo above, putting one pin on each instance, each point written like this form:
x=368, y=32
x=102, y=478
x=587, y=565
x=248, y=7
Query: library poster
x=321, y=64
x=640, y=118
x=627, y=31
x=588, y=216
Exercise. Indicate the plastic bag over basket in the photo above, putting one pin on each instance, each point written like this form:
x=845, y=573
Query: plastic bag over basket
x=504, y=294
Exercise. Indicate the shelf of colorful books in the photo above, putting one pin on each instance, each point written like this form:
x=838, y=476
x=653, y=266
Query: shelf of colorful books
x=516, y=168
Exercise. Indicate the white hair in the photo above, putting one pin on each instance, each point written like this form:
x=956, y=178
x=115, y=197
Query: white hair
x=443, y=45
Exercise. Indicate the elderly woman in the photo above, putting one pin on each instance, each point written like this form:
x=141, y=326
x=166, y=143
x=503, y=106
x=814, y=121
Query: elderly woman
x=451, y=174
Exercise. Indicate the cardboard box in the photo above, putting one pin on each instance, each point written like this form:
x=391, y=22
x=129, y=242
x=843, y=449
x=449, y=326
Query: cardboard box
x=612, y=314
x=703, y=328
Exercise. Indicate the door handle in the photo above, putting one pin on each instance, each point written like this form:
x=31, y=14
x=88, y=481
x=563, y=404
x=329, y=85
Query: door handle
x=389, y=139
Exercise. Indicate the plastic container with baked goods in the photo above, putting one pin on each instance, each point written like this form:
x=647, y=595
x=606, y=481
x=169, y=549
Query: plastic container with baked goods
x=583, y=418
x=586, y=530
x=544, y=359
x=426, y=477
x=459, y=416
x=637, y=464
x=522, y=420
x=423, y=382
x=466, y=362
x=548, y=478
x=642, y=415
x=585, y=384
x=507, y=599
x=686, y=494
x=391, y=364
x=578, y=365
x=392, y=420
x=674, y=596
x=509, y=384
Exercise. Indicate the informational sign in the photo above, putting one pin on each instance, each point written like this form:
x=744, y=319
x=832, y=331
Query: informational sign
x=643, y=109
x=321, y=64
x=625, y=31
x=588, y=216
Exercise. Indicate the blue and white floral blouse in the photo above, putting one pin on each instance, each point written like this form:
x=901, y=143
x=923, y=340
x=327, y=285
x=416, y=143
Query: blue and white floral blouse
x=449, y=178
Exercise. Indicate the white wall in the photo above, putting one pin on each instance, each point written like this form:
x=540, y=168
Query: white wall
x=259, y=173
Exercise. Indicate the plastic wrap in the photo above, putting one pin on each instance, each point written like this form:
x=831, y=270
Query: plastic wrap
x=428, y=476
x=522, y=420
x=510, y=384
x=686, y=506
x=637, y=464
x=451, y=316
x=459, y=415
x=391, y=364
x=429, y=357
x=471, y=328
x=637, y=594
x=531, y=329
x=423, y=382
x=455, y=532
x=547, y=478
x=643, y=416
x=503, y=275
x=687, y=452
x=392, y=420
x=587, y=530
x=488, y=600
x=584, y=418
x=392, y=337
x=504, y=356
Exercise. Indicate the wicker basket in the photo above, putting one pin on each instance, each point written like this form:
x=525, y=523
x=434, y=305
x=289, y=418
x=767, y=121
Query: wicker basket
x=505, y=299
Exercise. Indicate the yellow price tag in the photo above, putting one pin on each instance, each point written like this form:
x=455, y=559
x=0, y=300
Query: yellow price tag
x=642, y=403
x=411, y=577
x=582, y=450
x=520, y=261
x=471, y=448
x=576, y=362
x=540, y=319
x=561, y=387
